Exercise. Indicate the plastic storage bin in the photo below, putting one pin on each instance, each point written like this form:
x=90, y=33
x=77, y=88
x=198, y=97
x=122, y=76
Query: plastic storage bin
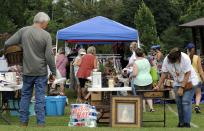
x=14, y=105
x=55, y=105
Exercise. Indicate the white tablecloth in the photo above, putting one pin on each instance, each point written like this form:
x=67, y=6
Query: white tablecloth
x=110, y=89
x=10, y=88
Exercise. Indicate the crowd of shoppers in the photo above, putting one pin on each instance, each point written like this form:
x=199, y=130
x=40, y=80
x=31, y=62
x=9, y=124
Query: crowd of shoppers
x=184, y=68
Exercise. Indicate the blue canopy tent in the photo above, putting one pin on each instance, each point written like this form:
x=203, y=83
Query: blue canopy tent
x=98, y=30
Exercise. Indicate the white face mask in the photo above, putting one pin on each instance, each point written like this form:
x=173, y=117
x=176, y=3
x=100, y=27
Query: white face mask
x=188, y=52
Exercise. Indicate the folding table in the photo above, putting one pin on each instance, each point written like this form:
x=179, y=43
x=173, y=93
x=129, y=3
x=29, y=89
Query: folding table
x=3, y=89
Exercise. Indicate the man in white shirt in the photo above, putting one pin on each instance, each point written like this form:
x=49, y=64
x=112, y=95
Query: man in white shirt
x=178, y=64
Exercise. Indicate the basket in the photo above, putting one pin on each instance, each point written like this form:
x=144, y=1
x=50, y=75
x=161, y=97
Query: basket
x=14, y=104
x=14, y=55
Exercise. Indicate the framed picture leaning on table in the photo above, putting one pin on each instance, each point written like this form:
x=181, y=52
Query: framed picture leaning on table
x=126, y=111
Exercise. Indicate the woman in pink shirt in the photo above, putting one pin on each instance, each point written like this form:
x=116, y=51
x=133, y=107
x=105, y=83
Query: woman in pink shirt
x=61, y=63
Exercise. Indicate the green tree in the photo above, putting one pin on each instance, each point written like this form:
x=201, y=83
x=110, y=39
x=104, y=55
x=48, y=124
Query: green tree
x=183, y=5
x=127, y=12
x=145, y=23
x=110, y=8
x=166, y=13
x=195, y=11
x=78, y=10
x=175, y=37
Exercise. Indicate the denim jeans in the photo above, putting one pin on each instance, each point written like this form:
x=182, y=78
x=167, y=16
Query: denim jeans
x=39, y=83
x=184, y=105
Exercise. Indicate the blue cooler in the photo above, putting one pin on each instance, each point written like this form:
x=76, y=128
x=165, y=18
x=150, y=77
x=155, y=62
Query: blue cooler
x=55, y=105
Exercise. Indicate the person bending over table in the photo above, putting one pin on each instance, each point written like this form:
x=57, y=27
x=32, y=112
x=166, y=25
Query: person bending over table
x=141, y=75
x=178, y=64
x=86, y=65
x=37, y=54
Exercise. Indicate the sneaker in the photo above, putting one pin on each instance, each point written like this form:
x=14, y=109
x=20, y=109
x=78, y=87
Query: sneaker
x=180, y=125
x=186, y=125
x=41, y=125
x=151, y=110
x=197, y=109
x=23, y=124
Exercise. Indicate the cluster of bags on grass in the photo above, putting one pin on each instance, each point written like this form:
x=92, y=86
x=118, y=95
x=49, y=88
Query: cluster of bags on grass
x=83, y=115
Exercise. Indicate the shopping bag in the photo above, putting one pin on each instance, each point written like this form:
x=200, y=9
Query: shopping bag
x=83, y=115
x=154, y=73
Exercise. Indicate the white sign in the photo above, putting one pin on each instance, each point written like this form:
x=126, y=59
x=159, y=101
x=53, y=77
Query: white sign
x=10, y=77
x=96, y=80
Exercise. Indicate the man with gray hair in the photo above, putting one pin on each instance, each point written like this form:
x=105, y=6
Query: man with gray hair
x=37, y=54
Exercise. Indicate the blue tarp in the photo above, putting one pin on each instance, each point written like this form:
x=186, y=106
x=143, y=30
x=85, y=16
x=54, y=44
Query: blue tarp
x=98, y=29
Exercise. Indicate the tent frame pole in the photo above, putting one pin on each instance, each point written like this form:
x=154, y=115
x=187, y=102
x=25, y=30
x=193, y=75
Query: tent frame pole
x=138, y=41
x=56, y=47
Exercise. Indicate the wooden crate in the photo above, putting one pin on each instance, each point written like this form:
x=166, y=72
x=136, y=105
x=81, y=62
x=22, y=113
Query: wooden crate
x=96, y=96
x=103, y=109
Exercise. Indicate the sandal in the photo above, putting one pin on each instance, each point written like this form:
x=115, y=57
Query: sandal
x=151, y=110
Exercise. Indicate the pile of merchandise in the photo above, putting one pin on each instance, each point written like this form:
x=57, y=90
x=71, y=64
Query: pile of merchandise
x=83, y=115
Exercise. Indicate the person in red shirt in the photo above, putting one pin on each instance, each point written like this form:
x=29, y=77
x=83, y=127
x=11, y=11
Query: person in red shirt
x=86, y=66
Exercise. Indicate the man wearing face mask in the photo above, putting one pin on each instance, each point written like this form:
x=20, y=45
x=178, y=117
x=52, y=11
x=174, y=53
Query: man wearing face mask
x=129, y=67
x=133, y=47
x=37, y=54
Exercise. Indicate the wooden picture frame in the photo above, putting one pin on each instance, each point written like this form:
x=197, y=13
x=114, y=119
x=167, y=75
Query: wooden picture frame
x=126, y=111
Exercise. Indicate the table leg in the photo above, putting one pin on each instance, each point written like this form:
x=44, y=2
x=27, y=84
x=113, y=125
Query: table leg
x=164, y=112
x=4, y=119
x=1, y=110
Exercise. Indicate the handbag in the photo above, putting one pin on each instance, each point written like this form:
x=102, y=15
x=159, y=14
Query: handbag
x=53, y=90
x=188, y=86
x=154, y=74
x=168, y=83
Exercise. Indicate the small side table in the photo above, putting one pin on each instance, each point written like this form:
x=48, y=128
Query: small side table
x=159, y=94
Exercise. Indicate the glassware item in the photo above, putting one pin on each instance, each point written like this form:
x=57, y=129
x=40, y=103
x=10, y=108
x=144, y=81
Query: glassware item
x=111, y=83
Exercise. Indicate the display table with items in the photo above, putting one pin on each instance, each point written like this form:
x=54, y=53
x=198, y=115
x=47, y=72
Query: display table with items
x=105, y=96
x=105, y=83
x=10, y=80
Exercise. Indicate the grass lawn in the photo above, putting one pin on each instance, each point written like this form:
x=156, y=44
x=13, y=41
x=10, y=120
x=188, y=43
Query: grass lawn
x=61, y=123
